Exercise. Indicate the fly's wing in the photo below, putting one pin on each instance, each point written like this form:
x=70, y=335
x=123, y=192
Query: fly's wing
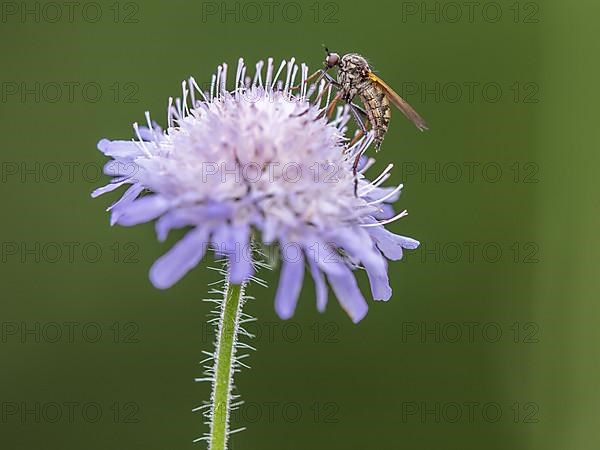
x=400, y=103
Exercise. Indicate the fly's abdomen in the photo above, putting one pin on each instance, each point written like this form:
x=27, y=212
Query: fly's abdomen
x=378, y=110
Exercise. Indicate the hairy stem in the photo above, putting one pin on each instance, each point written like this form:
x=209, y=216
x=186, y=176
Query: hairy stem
x=224, y=365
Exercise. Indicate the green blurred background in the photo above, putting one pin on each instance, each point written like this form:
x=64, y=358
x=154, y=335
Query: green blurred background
x=490, y=340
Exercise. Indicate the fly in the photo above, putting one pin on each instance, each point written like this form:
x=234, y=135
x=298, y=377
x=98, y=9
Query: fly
x=356, y=79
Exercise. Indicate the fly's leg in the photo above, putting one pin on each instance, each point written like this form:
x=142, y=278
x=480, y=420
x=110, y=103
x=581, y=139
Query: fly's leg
x=329, y=111
x=356, y=110
x=331, y=80
x=353, y=106
x=332, y=105
x=360, y=133
x=356, y=138
x=356, y=113
x=355, y=171
x=318, y=100
x=320, y=72
x=360, y=110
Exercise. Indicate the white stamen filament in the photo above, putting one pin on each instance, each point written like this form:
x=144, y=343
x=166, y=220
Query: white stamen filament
x=379, y=180
x=385, y=222
x=385, y=197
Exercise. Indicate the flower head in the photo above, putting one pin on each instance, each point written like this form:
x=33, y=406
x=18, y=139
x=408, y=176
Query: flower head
x=260, y=160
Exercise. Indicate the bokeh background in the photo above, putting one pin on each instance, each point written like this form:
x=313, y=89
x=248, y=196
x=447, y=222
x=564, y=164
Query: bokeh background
x=490, y=340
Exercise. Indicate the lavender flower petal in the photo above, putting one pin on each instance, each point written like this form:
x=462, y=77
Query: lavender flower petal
x=290, y=283
x=324, y=255
x=143, y=210
x=121, y=205
x=346, y=290
x=385, y=212
x=184, y=256
x=108, y=188
x=358, y=244
x=378, y=279
x=240, y=260
x=320, y=285
x=179, y=218
x=119, y=149
x=148, y=134
x=390, y=244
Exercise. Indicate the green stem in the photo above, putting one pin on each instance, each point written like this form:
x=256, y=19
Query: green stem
x=224, y=366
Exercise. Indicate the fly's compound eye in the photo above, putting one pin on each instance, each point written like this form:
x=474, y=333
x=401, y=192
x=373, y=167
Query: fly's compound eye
x=333, y=59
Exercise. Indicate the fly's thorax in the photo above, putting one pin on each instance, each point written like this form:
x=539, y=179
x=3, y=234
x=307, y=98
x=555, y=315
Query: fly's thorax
x=354, y=62
x=352, y=74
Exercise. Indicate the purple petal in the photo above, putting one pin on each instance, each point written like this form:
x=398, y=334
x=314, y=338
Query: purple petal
x=233, y=242
x=391, y=244
x=240, y=260
x=184, y=256
x=359, y=246
x=120, y=168
x=178, y=218
x=357, y=243
x=270, y=230
x=148, y=134
x=108, y=188
x=320, y=285
x=362, y=162
x=380, y=192
x=142, y=210
x=183, y=217
x=326, y=257
x=119, y=149
x=385, y=212
x=348, y=294
x=290, y=283
x=222, y=241
x=378, y=278
x=120, y=205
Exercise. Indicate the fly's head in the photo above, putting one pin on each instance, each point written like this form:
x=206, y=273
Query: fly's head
x=331, y=60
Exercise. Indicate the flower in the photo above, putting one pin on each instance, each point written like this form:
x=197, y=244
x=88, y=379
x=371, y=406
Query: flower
x=260, y=162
